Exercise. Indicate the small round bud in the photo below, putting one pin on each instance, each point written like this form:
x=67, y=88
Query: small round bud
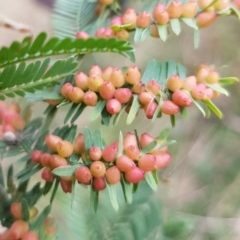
x=129, y=139
x=147, y=162
x=123, y=95
x=106, y=73
x=145, y=98
x=109, y=153
x=202, y=73
x=189, y=83
x=139, y=87
x=75, y=95
x=135, y=175
x=198, y=91
x=132, y=152
x=182, y=99
x=174, y=83
x=94, y=83
x=82, y=35
x=175, y=9
x=16, y=210
x=66, y=87
x=212, y=77
x=95, y=153
x=47, y=175
x=162, y=160
x=153, y=87
x=66, y=185
x=81, y=80
x=170, y=108
x=36, y=156
x=189, y=9
x=117, y=78
x=143, y=20
x=83, y=175
x=117, y=21
x=95, y=70
x=90, y=98
x=98, y=169
x=150, y=109
x=57, y=161
x=18, y=229
x=205, y=19
x=160, y=14
x=99, y=183
x=132, y=75
x=122, y=34
x=130, y=17
x=64, y=148
x=45, y=159
x=107, y=90
x=113, y=175
x=125, y=164
x=113, y=106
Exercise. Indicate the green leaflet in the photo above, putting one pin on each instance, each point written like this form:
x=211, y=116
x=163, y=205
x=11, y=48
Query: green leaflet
x=162, y=30
x=97, y=110
x=127, y=190
x=113, y=195
x=97, y=139
x=134, y=109
x=30, y=49
x=190, y=22
x=88, y=140
x=141, y=34
x=213, y=108
x=173, y=120
x=16, y=80
x=175, y=25
x=196, y=104
x=37, y=224
x=218, y=88
x=163, y=134
x=196, y=38
x=94, y=199
x=25, y=210
x=183, y=112
x=228, y=81
x=120, y=144
x=152, y=71
x=151, y=181
x=149, y=147
x=66, y=171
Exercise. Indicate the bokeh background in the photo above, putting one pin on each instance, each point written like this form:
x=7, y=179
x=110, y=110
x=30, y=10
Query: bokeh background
x=198, y=197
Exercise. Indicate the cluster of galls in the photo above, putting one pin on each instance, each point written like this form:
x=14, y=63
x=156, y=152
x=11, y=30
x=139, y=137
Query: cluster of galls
x=63, y=150
x=102, y=164
x=161, y=15
x=19, y=230
x=117, y=88
x=11, y=122
x=106, y=165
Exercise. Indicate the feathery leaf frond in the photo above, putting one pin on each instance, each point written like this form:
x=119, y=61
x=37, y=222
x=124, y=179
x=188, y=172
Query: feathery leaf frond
x=31, y=49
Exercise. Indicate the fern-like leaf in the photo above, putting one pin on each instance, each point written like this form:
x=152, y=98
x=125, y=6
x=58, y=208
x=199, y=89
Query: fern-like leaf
x=31, y=49
x=72, y=16
x=16, y=80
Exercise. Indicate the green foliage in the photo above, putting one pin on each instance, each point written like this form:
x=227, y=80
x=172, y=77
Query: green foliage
x=16, y=80
x=78, y=16
x=30, y=49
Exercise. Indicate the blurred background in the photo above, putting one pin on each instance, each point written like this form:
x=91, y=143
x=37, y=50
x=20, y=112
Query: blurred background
x=198, y=197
